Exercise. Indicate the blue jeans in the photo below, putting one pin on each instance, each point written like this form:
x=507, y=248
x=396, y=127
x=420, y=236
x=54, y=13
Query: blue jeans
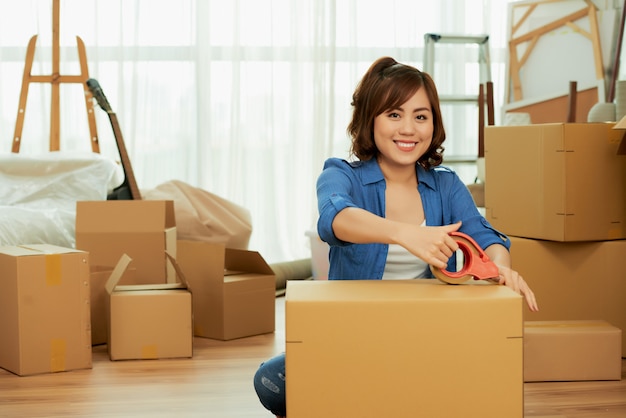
x=269, y=383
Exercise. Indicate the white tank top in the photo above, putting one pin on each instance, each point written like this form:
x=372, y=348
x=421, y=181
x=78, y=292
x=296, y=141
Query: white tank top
x=401, y=264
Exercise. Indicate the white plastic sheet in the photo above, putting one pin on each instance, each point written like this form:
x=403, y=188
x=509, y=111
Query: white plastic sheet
x=38, y=194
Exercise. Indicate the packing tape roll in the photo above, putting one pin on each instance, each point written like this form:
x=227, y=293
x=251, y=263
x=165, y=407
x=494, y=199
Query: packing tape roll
x=476, y=263
x=461, y=276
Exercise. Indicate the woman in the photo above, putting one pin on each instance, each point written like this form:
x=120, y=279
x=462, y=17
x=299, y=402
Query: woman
x=388, y=214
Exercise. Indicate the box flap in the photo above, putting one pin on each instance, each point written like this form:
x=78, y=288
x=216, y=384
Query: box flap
x=246, y=261
x=621, y=125
x=122, y=265
x=117, y=273
x=154, y=286
x=35, y=249
x=179, y=272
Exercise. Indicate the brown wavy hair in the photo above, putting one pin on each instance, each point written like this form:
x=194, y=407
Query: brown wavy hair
x=386, y=85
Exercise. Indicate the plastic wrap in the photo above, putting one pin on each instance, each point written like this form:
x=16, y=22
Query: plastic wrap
x=38, y=194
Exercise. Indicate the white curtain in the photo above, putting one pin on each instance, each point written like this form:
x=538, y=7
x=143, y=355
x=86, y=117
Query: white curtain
x=243, y=98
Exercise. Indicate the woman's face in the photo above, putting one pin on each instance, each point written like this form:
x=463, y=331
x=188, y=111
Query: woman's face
x=404, y=134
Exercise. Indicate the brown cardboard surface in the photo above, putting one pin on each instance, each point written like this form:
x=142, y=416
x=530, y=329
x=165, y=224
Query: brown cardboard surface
x=44, y=309
x=234, y=290
x=97, y=278
x=559, y=182
x=572, y=351
x=384, y=348
x=143, y=229
x=148, y=321
x=574, y=280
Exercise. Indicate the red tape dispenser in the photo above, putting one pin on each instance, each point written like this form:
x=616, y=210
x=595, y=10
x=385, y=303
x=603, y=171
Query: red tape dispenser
x=476, y=264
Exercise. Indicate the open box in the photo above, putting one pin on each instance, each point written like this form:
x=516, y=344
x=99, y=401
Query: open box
x=234, y=290
x=149, y=321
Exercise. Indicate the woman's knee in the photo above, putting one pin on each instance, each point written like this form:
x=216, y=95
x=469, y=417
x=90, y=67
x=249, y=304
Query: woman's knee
x=269, y=384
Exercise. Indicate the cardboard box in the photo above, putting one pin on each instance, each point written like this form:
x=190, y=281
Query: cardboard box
x=44, y=309
x=403, y=348
x=150, y=321
x=574, y=280
x=99, y=298
x=572, y=351
x=234, y=290
x=556, y=181
x=143, y=229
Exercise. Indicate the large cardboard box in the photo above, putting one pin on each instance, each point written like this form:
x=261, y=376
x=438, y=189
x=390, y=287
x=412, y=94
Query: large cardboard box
x=44, y=309
x=574, y=280
x=143, y=229
x=403, y=348
x=149, y=321
x=556, y=181
x=572, y=351
x=234, y=290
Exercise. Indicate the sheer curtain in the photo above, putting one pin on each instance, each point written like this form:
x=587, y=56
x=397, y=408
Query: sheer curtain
x=244, y=98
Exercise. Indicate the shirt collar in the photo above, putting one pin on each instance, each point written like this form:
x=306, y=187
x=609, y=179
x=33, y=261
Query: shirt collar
x=372, y=173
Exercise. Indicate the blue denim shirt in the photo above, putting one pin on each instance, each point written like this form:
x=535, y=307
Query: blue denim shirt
x=361, y=184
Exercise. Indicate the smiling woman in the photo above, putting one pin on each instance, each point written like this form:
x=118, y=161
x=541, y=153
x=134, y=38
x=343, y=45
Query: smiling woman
x=245, y=98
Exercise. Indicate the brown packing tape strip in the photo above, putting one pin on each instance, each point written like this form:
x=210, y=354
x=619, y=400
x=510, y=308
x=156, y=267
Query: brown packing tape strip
x=149, y=351
x=53, y=269
x=58, y=355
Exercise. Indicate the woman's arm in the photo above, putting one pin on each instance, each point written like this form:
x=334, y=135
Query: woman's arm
x=509, y=277
x=432, y=244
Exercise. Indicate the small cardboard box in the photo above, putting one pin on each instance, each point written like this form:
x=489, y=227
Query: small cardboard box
x=403, y=348
x=574, y=280
x=150, y=321
x=143, y=229
x=234, y=290
x=556, y=181
x=44, y=309
x=572, y=351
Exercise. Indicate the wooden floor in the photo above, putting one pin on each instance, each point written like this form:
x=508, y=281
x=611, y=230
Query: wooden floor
x=217, y=382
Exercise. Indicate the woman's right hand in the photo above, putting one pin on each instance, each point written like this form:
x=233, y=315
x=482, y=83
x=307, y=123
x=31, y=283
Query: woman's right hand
x=433, y=244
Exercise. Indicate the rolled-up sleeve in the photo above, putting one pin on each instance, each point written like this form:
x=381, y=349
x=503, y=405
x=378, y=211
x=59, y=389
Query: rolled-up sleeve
x=333, y=195
x=461, y=206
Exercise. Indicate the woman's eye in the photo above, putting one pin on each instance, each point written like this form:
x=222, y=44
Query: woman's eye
x=394, y=115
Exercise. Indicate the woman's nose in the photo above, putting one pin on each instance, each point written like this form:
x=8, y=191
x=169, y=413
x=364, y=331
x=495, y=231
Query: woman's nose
x=407, y=127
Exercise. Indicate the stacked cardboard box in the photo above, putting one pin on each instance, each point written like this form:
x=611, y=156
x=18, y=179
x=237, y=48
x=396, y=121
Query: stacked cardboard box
x=44, y=309
x=559, y=191
x=571, y=350
x=143, y=229
x=403, y=348
x=145, y=312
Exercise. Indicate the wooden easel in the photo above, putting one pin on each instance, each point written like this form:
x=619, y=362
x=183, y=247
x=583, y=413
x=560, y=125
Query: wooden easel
x=55, y=79
x=533, y=36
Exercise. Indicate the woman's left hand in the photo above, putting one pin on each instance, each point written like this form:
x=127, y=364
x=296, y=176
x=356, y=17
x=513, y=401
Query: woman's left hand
x=511, y=278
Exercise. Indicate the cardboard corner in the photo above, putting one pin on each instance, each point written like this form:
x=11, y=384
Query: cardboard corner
x=117, y=273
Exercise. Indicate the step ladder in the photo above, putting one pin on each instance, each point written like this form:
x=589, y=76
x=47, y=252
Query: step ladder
x=484, y=76
x=482, y=41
